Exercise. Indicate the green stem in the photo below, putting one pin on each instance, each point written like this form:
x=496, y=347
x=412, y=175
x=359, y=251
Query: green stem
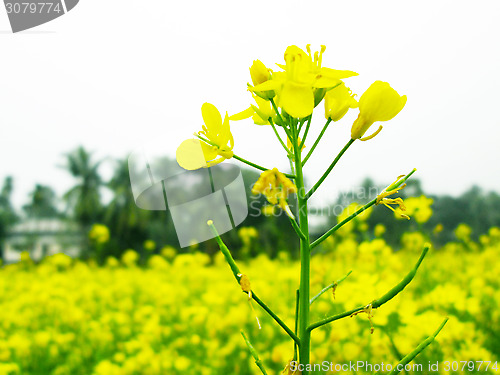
x=375, y=304
x=339, y=225
x=409, y=357
x=258, y=166
x=316, y=142
x=301, y=123
x=327, y=172
x=303, y=140
x=237, y=275
x=254, y=354
x=325, y=289
x=277, y=135
x=277, y=112
x=297, y=229
x=305, y=257
x=295, y=346
x=393, y=186
x=292, y=165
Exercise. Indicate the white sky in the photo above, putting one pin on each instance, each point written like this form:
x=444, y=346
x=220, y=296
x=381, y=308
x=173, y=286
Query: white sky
x=118, y=75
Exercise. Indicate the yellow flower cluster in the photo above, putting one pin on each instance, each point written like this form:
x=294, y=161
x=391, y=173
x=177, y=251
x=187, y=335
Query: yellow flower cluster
x=418, y=208
x=65, y=317
x=304, y=82
x=275, y=187
x=99, y=233
x=214, y=144
x=247, y=234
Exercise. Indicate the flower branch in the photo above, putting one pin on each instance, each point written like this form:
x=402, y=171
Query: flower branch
x=237, y=275
x=380, y=301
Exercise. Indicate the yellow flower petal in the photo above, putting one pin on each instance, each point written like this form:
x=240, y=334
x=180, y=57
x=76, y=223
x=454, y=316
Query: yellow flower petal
x=338, y=101
x=266, y=86
x=338, y=74
x=380, y=102
x=190, y=154
x=225, y=134
x=297, y=100
x=259, y=73
x=247, y=113
x=325, y=82
x=211, y=117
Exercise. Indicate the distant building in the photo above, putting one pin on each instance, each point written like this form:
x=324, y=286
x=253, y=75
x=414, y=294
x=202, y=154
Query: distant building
x=42, y=237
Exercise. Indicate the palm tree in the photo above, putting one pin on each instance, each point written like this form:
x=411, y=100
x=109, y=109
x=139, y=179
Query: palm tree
x=7, y=214
x=128, y=223
x=42, y=203
x=84, y=198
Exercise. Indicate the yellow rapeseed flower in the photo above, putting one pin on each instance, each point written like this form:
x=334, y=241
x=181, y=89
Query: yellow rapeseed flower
x=260, y=74
x=302, y=75
x=276, y=188
x=214, y=145
x=463, y=232
x=380, y=102
x=149, y=245
x=99, y=233
x=338, y=101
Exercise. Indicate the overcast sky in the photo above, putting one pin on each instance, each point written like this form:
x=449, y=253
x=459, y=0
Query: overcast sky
x=119, y=75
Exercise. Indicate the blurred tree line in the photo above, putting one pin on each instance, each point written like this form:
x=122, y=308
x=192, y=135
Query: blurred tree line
x=131, y=227
x=478, y=209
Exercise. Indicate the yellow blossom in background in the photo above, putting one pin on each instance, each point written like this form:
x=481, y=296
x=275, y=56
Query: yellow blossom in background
x=413, y=241
x=149, y=245
x=25, y=257
x=60, y=261
x=130, y=258
x=247, y=234
x=418, y=208
x=112, y=262
x=358, y=223
x=463, y=232
x=302, y=74
x=275, y=187
x=99, y=233
x=194, y=154
x=380, y=102
x=268, y=210
x=438, y=229
x=168, y=252
x=338, y=101
x=379, y=230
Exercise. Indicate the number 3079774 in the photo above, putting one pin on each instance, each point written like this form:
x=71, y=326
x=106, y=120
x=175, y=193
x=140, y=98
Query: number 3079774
x=33, y=7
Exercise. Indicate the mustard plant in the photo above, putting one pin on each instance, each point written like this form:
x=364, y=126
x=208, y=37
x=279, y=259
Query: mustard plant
x=285, y=101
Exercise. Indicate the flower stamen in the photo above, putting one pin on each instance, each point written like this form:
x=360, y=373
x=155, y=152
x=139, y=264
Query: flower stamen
x=382, y=198
x=368, y=310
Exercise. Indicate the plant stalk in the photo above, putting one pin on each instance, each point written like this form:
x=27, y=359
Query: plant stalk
x=305, y=257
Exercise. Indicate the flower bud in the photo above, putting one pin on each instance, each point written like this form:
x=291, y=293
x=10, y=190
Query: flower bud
x=260, y=74
x=379, y=103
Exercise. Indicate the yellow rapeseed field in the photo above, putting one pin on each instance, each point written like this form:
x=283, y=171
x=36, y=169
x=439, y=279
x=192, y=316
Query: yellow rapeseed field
x=182, y=314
